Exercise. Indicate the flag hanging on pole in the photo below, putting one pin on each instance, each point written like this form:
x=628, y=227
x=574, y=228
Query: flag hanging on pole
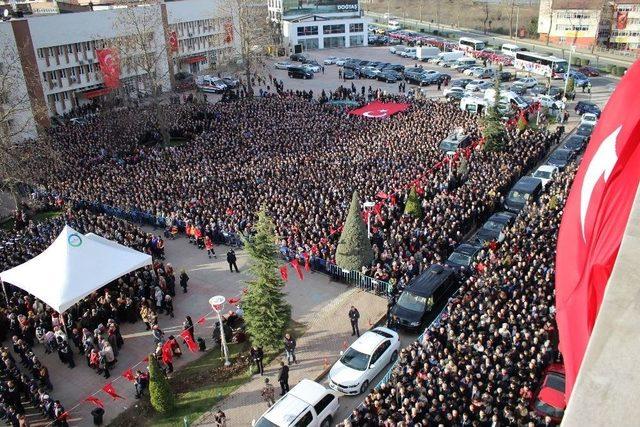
x=594, y=220
x=128, y=375
x=109, y=61
x=296, y=267
x=186, y=336
x=108, y=388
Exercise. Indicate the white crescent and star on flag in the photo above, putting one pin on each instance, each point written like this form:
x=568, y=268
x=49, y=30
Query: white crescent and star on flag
x=376, y=113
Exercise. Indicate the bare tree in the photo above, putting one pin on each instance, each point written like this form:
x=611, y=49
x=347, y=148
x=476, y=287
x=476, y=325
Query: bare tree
x=143, y=48
x=486, y=16
x=512, y=6
x=550, y=22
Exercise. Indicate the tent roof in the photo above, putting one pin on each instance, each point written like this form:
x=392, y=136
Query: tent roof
x=74, y=266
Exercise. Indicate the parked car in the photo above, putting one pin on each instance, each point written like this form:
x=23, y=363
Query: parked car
x=330, y=60
x=341, y=61
x=589, y=119
x=300, y=72
x=561, y=158
x=313, y=66
x=556, y=92
x=483, y=73
x=504, y=76
x=308, y=404
x=471, y=70
x=550, y=400
x=575, y=143
x=549, y=102
x=282, y=65
x=369, y=72
x=460, y=82
x=348, y=74
x=525, y=189
x=545, y=173
x=478, y=85
x=584, y=130
x=231, y=82
x=579, y=79
x=492, y=229
x=518, y=88
x=589, y=71
x=364, y=360
x=587, y=107
x=298, y=57
x=462, y=257
x=210, y=84
x=453, y=92
x=389, y=76
x=528, y=82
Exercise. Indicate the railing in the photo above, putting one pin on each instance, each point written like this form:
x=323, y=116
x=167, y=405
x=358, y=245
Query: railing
x=358, y=279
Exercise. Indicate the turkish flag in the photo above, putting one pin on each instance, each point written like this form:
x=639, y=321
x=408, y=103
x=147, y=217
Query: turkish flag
x=296, y=267
x=108, y=388
x=173, y=41
x=167, y=353
x=377, y=109
x=128, y=375
x=186, y=336
x=201, y=320
x=92, y=399
x=228, y=31
x=594, y=220
x=307, y=261
x=284, y=273
x=621, y=20
x=109, y=61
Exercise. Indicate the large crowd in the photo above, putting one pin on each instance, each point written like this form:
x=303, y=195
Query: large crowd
x=482, y=363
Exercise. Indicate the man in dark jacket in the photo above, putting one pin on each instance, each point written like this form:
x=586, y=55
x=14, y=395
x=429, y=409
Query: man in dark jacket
x=257, y=355
x=354, y=315
x=283, y=378
x=231, y=259
x=290, y=348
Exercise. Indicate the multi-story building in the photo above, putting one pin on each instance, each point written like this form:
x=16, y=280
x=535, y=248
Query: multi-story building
x=583, y=23
x=57, y=54
x=319, y=24
x=625, y=31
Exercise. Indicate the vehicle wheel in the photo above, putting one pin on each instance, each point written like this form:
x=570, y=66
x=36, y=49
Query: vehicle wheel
x=394, y=356
x=365, y=385
x=327, y=422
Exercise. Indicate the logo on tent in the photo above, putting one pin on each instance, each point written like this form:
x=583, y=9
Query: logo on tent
x=74, y=240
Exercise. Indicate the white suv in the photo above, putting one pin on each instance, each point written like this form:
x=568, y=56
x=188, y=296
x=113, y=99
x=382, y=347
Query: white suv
x=307, y=404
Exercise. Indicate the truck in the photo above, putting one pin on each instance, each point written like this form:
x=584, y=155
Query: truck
x=425, y=53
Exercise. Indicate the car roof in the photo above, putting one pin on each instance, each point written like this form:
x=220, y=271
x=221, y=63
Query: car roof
x=367, y=342
x=503, y=216
x=466, y=249
x=547, y=168
x=527, y=183
x=286, y=410
x=427, y=282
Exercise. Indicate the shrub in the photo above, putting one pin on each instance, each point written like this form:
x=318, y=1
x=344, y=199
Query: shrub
x=614, y=70
x=413, y=207
x=620, y=71
x=585, y=62
x=162, y=398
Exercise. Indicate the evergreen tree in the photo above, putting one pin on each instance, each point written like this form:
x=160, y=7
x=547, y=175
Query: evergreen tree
x=162, y=398
x=266, y=312
x=571, y=86
x=354, y=248
x=413, y=207
x=493, y=129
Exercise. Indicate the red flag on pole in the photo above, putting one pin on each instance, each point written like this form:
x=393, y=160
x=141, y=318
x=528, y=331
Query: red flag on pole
x=109, y=61
x=92, y=399
x=108, y=388
x=173, y=41
x=307, y=261
x=186, y=336
x=233, y=300
x=284, y=272
x=296, y=267
x=167, y=353
x=202, y=320
x=128, y=375
x=595, y=218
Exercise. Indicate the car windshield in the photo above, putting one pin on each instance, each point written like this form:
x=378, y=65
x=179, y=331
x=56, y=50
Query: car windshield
x=493, y=225
x=561, y=154
x=263, y=422
x=542, y=174
x=548, y=409
x=354, y=359
x=411, y=301
x=459, y=259
x=449, y=146
x=518, y=196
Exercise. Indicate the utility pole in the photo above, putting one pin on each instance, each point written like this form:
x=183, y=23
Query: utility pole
x=517, y=20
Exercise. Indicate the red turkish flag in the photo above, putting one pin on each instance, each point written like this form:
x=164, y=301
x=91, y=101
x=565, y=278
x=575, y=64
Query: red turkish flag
x=128, y=375
x=307, y=261
x=167, y=353
x=92, y=399
x=109, y=61
x=173, y=41
x=108, y=388
x=595, y=218
x=296, y=267
x=201, y=321
x=186, y=336
x=377, y=109
x=284, y=273
x=228, y=31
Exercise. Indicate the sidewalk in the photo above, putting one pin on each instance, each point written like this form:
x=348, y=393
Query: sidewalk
x=327, y=331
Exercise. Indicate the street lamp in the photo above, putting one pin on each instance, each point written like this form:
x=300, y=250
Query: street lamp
x=369, y=206
x=217, y=303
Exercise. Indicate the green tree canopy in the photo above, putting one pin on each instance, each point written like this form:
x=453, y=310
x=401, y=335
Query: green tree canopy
x=493, y=129
x=354, y=248
x=413, y=206
x=162, y=398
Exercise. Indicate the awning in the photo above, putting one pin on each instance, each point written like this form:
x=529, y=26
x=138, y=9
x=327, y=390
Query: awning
x=194, y=59
x=96, y=92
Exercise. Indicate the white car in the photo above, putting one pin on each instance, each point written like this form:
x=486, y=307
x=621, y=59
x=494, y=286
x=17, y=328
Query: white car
x=549, y=102
x=210, y=84
x=527, y=82
x=312, y=67
x=330, y=60
x=364, y=360
x=306, y=404
x=589, y=119
x=340, y=61
x=282, y=65
x=478, y=85
x=468, y=71
x=453, y=90
x=545, y=173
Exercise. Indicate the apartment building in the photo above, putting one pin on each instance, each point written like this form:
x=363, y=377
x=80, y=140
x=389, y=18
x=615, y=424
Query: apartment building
x=58, y=54
x=583, y=23
x=625, y=31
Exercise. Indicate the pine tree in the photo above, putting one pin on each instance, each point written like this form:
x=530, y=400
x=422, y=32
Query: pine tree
x=266, y=312
x=571, y=86
x=354, y=248
x=493, y=129
x=413, y=207
x=162, y=398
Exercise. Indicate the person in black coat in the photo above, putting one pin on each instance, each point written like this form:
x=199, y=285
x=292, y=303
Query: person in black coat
x=231, y=259
x=354, y=315
x=257, y=355
x=283, y=378
x=184, y=279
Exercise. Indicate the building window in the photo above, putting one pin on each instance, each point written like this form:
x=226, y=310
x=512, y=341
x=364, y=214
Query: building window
x=356, y=40
x=309, y=44
x=333, y=42
x=311, y=30
x=333, y=29
x=356, y=28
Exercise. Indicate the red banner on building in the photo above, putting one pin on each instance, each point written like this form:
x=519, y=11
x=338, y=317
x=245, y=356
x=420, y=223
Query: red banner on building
x=621, y=20
x=109, y=61
x=594, y=220
x=377, y=109
x=173, y=41
x=228, y=31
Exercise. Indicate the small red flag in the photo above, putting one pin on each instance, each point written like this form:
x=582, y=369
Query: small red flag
x=233, y=300
x=108, y=388
x=63, y=416
x=167, y=353
x=186, y=336
x=128, y=375
x=92, y=399
x=307, y=261
x=296, y=267
x=201, y=320
x=146, y=359
x=284, y=273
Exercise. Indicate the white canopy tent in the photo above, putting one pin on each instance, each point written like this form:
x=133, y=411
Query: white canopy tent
x=74, y=266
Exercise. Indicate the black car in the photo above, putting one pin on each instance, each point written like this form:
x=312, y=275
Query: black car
x=505, y=76
x=527, y=188
x=587, y=107
x=300, y=73
x=351, y=64
x=584, y=130
x=561, y=158
x=368, y=72
x=575, y=143
x=389, y=76
x=434, y=285
x=395, y=67
x=556, y=92
x=492, y=229
x=518, y=89
x=428, y=79
x=298, y=57
x=462, y=257
x=460, y=83
x=348, y=74
x=231, y=82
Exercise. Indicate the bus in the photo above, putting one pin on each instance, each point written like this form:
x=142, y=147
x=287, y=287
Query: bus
x=537, y=63
x=466, y=43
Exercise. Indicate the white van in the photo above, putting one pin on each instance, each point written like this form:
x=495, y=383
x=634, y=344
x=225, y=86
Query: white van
x=511, y=49
x=465, y=60
x=425, y=53
x=473, y=104
x=409, y=52
x=307, y=404
x=450, y=56
x=397, y=49
x=506, y=96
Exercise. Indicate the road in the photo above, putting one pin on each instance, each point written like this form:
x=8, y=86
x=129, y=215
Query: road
x=497, y=40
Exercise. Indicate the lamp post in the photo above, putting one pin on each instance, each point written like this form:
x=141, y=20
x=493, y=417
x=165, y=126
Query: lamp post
x=216, y=304
x=368, y=206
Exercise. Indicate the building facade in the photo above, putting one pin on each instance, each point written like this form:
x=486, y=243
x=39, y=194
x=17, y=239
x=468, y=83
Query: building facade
x=625, y=31
x=583, y=23
x=319, y=24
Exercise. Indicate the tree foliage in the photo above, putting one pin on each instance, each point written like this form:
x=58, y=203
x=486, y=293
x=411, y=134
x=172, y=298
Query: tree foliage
x=266, y=312
x=413, y=206
x=493, y=129
x=571, y=85
x=354, y=248
x=162, y=398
